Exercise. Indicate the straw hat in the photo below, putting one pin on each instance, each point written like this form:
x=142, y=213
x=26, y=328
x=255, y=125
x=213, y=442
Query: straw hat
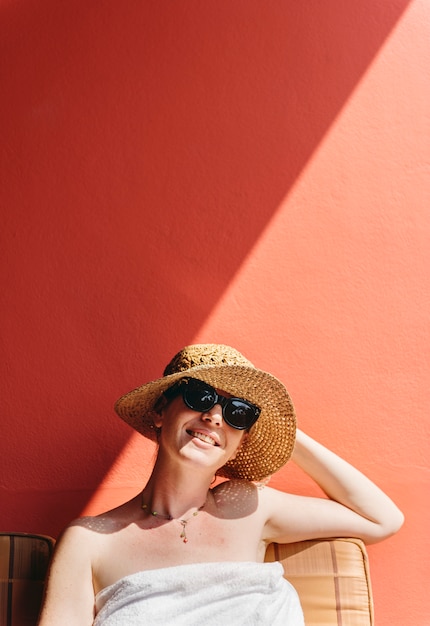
x=270, y=441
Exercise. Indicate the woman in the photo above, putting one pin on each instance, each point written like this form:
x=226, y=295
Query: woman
x=184, y=551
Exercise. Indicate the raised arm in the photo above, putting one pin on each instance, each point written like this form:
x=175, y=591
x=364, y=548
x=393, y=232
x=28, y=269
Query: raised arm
x=355, y=506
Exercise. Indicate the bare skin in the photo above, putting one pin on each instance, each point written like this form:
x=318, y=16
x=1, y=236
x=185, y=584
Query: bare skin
x=236, y=520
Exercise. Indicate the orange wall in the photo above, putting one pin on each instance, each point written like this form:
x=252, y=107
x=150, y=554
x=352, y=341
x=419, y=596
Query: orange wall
x=242, y=171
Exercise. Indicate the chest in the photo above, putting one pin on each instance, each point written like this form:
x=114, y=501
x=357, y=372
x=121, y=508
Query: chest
x=165, y=543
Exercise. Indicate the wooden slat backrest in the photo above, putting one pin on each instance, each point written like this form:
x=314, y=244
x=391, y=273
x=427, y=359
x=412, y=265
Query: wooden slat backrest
x=24, y=561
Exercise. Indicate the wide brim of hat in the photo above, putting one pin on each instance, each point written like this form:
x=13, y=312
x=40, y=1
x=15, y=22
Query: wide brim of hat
x=270, y=442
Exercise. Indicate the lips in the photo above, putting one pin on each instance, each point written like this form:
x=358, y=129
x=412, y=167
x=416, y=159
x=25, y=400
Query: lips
x=203, y=437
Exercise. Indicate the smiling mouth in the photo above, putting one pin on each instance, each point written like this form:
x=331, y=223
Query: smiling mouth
x=202, y=437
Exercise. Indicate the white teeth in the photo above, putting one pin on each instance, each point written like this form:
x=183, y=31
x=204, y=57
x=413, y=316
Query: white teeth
x=203, y=437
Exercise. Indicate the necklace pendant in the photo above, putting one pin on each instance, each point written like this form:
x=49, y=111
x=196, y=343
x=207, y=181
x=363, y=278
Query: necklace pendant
x=169, y=517
x=183, y=534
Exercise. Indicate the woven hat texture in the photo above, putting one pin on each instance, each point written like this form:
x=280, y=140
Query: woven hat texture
x=270, y=441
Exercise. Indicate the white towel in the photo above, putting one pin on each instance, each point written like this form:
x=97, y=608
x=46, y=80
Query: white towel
x=207, y=594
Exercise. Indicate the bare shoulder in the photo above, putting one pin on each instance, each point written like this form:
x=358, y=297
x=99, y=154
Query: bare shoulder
x=77, y=540
x=239, y=488
x=86, y=530
x=79, y=551
x=69, y=596
x=236, y=498
x=230, y=490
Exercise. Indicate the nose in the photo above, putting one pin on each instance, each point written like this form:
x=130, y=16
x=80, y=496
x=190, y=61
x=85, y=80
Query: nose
x=214, y=415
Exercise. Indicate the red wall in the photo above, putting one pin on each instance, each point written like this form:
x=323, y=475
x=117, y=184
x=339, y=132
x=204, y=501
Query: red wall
x=244, y=172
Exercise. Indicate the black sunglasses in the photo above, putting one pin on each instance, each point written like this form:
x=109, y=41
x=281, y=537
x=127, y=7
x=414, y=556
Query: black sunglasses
x=201, y=397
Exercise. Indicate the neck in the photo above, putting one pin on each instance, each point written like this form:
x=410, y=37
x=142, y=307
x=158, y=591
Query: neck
x=176, y=493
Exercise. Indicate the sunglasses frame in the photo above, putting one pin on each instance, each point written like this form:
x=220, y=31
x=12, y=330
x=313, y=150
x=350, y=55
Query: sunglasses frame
x=186, y=384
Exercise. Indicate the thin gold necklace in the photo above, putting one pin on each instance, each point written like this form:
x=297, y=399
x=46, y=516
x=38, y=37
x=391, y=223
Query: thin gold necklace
x=183, y=522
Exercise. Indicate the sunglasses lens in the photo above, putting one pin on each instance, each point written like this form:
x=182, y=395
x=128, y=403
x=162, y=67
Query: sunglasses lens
x=239, y=414
x=199, y=397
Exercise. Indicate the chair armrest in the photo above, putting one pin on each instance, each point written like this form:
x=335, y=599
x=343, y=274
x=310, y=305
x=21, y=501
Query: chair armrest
x=332, y=579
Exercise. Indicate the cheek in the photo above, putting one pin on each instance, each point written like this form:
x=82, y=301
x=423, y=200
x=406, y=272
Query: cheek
x=240, y=438
x=171, y=412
